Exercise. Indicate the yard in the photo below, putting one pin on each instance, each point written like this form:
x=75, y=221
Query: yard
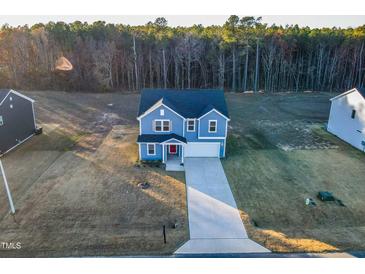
x=76, y=186
x=278, y=154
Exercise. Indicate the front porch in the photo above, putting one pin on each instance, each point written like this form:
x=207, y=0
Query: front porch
x=173, y=156
x=174, y=163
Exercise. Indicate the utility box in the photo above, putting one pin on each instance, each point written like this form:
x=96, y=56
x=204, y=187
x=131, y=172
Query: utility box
x=325, y=196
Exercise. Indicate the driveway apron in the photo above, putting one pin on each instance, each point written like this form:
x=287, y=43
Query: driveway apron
x=214, y=221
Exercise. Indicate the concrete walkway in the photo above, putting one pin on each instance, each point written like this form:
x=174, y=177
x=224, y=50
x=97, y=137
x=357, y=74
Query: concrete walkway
x=214, y=221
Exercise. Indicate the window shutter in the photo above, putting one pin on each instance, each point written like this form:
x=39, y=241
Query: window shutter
x=154, y=125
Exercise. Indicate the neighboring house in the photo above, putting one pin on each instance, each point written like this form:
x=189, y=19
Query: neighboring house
x=182, y=123
x=347, y=117
x=17, y=120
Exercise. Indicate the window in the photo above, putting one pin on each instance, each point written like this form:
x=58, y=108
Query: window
x=166, y=125
x=353, y=113
x=162, y=125
x=158, y=125
x=212, y=126
x=151, y=149
x=162, y=112
x=191, y=125
x=1, y=121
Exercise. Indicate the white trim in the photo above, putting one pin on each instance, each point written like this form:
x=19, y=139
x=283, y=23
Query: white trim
x=218, y=138
x=156, y=106
x=216, y=126
x=35, y=125
x=139, y=152
x=184, y=125
x=151, y=109
x=140, y=127
x=162, y=126
x=224, y=149
x=203, y=143
x=171, y=139
x=225, y=135
x=213, y=109
x=163, y=153
x=10, y=149
x=187, y=124
x=344, y=93
x=225, y=140
x=217, y=143
x=182, y=154
x=18, y=94
x=154, y=149
x=173, y=144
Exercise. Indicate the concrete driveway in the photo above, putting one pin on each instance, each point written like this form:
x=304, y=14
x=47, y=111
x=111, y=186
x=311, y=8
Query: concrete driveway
x=214, y=221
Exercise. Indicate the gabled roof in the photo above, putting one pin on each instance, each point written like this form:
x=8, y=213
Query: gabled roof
x=361, y=90
x=189, y=103
x=5, y=92
x=159, y=138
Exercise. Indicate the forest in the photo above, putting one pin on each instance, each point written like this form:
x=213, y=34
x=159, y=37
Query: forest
x=243, y=54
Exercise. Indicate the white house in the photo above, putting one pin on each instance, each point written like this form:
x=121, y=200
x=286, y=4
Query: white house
x=347, y=117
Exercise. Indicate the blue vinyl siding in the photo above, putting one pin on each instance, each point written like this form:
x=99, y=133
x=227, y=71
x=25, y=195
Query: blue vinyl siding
x=176, y=121
x=192, y=136
x=204, y=125
x=144, y=155
x=179, y=126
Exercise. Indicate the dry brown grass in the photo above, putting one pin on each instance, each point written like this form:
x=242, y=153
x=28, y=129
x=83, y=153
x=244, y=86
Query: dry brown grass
x=278, y=154
x=280, y=242
x=76, y=187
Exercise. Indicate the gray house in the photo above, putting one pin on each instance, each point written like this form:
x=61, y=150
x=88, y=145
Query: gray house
x=17, y=119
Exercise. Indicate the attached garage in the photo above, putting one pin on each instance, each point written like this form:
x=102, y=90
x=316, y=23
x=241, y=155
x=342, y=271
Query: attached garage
x=202, y=150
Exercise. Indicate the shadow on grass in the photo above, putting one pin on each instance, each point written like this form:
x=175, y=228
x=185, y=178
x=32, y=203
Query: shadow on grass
x=91, y=205
x=278, y=241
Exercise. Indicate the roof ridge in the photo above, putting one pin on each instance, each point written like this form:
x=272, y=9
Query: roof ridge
x=189, y=103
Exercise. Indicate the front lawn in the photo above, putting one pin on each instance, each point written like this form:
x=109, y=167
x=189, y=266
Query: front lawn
x=278, y=154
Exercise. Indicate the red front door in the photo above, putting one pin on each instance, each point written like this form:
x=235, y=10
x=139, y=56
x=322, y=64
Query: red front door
x=173, y=149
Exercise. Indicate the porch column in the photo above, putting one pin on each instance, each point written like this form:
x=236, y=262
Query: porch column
x=182, y=154
x=163, y=153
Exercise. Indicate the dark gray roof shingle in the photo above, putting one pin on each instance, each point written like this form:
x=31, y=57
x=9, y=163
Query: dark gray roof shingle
x=3, y=93
x=361, y=90
x=190, y=103
x=159, y=138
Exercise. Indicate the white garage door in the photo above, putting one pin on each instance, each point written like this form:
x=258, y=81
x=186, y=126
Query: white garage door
x=202, y=150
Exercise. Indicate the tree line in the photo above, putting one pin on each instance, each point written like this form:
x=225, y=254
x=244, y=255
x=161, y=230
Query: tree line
x=243, y=54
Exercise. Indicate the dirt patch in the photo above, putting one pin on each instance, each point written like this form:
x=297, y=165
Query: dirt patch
x=294, y=135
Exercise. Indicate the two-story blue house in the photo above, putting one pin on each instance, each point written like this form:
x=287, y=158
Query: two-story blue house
x=174, y=124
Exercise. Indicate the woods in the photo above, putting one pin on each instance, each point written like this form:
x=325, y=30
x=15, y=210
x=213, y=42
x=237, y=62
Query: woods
x=243, y=54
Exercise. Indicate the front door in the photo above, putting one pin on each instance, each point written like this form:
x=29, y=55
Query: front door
x=173, y=149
